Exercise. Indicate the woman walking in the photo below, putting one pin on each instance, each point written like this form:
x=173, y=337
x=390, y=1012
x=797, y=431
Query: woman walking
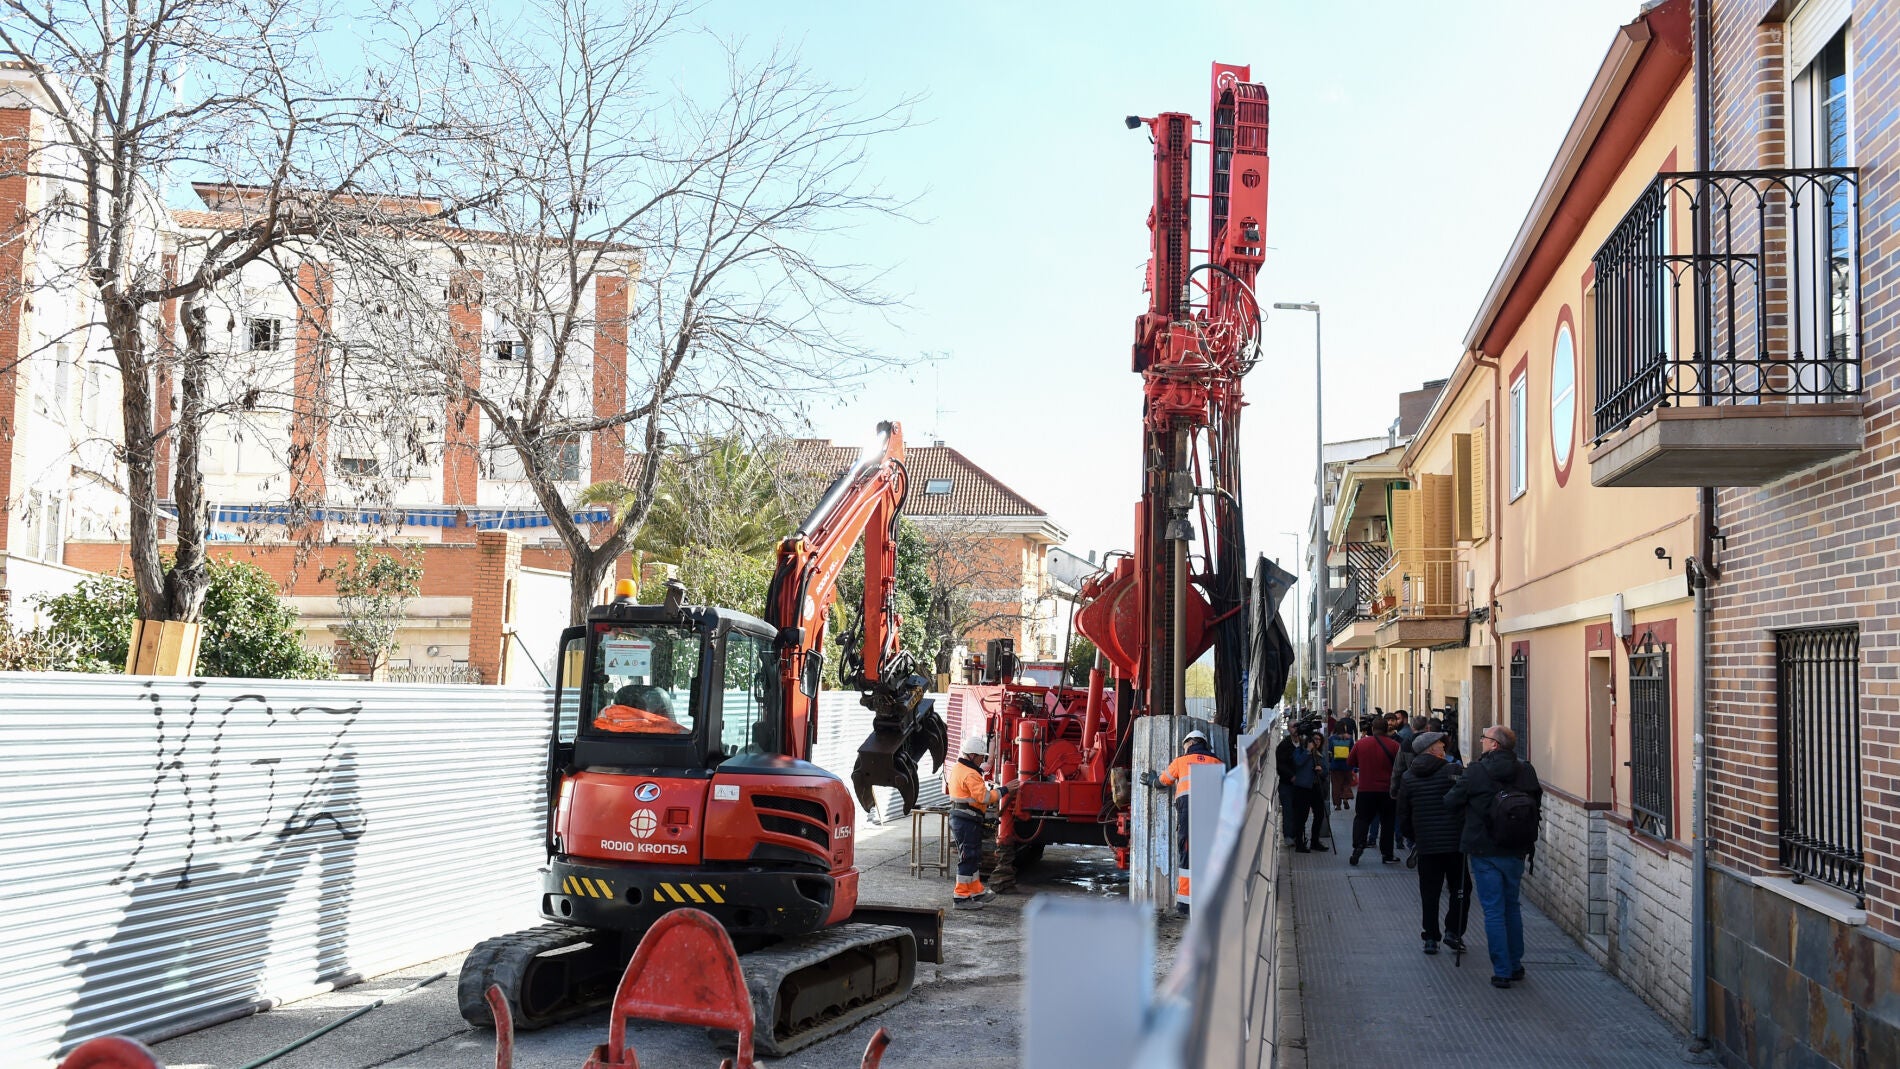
x=1339, y=760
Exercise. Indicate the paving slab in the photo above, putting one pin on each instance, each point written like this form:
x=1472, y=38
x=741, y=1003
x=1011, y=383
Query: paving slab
x=1371, y=996
x=962, y=1013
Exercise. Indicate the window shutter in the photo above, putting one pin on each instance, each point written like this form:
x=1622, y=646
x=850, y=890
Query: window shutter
x=1438, y=524
x=1480, y=484
x=1407, y=523
x=1461, y=486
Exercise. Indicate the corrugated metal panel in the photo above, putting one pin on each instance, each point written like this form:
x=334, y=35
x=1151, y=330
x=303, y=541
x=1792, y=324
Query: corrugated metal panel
x=843, y=724
x=174, y=851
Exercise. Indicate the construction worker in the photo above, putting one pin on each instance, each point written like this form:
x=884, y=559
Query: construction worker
x=970, y=801
x=1195, y=751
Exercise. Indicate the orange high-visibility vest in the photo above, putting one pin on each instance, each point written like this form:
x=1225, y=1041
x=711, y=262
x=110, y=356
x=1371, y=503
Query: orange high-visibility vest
x=965, y=784
x=639, y=721
x=1177, y=773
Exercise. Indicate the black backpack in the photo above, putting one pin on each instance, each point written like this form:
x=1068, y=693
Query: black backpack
x=1512, y=822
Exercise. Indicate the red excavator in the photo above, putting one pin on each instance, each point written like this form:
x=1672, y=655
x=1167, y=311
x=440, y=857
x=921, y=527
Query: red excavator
x=679, y=776
x=1184, y=588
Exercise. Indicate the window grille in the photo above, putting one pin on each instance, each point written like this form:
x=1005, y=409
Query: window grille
x=1521, y=700
x=1650, y=738
x=1817, y=706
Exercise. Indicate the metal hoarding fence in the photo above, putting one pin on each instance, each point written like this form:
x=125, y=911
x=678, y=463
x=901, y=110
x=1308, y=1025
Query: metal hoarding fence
x=177, y=852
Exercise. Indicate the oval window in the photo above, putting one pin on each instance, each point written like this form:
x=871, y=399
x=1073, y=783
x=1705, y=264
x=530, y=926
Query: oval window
x=1563, y=395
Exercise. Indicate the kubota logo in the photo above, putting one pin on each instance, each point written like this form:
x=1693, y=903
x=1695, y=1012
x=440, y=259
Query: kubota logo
x=646, y=792
x=643, y=823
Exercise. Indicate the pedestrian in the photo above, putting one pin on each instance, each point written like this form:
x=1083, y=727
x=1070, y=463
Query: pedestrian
x=1501, y=801
x=1195, y=751
x=1426, y=819
x=1407, y=733
x=1339, y=745
x=1285, y=764
x=1373, y=757
x=970, y=802
x=1309, y=792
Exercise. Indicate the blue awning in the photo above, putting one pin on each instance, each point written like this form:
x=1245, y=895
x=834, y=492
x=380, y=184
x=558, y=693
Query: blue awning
x=485, y=519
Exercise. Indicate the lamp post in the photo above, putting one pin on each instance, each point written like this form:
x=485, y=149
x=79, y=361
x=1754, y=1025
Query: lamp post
x=1306, y=652
x=1321, y=626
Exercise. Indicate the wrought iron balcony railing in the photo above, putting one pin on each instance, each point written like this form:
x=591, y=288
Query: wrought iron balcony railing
x=1774, y=304
x=1353, y=601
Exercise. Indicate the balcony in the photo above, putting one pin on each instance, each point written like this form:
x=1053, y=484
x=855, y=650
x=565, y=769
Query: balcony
x=1421, y=601
x=1353, y=622
x=1764, y=378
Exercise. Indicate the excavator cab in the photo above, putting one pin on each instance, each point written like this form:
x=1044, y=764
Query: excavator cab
x=634, y=689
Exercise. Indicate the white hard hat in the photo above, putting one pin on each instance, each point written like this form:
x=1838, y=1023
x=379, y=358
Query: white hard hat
x=976, y=746
x=1192, y=735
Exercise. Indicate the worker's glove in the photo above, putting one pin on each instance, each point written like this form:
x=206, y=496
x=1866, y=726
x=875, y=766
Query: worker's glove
x=1151, y=778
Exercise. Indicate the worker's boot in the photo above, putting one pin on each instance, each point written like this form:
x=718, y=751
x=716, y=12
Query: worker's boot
x=970, y=894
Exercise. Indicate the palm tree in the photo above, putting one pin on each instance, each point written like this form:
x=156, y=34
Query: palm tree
x=719, y=494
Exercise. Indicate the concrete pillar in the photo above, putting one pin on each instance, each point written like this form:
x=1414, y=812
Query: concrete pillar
x=492, y=609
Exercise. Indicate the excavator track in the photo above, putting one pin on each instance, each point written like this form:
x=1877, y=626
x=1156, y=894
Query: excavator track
x=548, y=974
x=813, y=987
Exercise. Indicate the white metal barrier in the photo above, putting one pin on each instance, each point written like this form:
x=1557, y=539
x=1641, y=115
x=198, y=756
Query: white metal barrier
x=1218, y=1005
x=178, y=852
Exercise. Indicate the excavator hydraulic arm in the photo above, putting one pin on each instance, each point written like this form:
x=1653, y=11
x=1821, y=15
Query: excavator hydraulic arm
x=864, y=501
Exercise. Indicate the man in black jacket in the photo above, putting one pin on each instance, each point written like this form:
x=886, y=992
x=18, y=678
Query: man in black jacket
x=1500, y=793
x=1425, y=819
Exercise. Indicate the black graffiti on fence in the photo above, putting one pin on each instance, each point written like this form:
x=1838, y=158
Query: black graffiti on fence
x=202, y=812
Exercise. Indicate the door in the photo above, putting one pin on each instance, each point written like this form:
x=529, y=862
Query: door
x=1602, y=711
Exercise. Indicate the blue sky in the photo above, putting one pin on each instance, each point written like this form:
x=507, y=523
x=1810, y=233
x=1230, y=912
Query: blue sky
x=1407, y=141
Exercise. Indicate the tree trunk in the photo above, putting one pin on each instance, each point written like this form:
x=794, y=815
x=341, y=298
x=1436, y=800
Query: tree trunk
x=585, y=574
x=185, y=585
x=141, y=453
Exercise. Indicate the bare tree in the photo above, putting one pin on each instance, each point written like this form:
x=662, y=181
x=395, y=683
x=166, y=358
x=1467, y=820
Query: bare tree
x=715, y=213
x=229, y=94
x=977, y=584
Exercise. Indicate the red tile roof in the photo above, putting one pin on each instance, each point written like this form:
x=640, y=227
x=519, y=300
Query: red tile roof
x=973, y=491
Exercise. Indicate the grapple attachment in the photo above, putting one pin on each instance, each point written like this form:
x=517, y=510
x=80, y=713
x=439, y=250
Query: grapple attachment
x=904, y=728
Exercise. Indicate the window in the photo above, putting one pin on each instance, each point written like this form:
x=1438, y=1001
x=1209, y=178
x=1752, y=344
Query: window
x=937, y=488
x=1817, y=711
x=360, y=466
x=89, y=395
x=42, y=529
x=64, y=372
x=1520, y=411
x=645, y=679
x=266, y=333
x=566, y=457
x=1650, y=731
x=1821, y=135
x=1521, y=698
x=746, y=724
x=510, y=350
x=502, y=462
x=1563, y=395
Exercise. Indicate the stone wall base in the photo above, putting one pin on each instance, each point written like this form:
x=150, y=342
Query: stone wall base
x=1624, y=901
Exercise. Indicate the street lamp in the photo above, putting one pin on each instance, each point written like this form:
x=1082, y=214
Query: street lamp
x=1298, y=617
x=1319, y=508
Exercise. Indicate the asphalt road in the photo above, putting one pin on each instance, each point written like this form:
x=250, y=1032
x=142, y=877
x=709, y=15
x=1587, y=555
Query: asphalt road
x=962, y=1013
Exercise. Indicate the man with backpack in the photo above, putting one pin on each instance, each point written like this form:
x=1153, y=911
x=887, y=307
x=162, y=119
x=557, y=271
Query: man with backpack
x=1373, y=757
x=1501, y=799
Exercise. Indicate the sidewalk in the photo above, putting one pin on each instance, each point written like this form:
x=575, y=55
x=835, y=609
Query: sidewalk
x=1370, y=996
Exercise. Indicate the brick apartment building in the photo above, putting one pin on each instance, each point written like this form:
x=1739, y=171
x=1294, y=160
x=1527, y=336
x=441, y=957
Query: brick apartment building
x=987, y=539
x=303, y=451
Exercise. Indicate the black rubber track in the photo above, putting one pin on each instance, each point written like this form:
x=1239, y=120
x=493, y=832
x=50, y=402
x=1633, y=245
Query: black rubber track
x=766, y=969
x=504, y=960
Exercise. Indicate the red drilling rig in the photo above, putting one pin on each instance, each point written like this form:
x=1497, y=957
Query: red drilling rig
x=1183, y=588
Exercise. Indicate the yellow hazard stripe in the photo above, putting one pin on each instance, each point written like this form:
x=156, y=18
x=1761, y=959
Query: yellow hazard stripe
x=692, y=894
x=567, y=884
x=601, y=886
x=712, y=894
x=675, y=895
